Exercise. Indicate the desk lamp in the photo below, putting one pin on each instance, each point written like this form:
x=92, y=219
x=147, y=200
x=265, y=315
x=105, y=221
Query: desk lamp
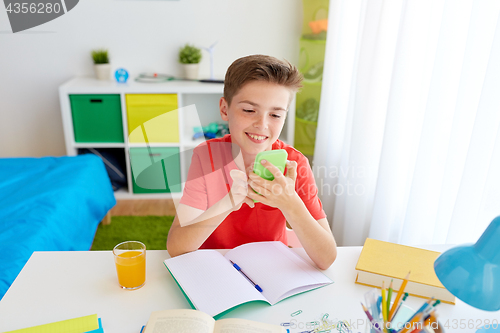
x=472, y=272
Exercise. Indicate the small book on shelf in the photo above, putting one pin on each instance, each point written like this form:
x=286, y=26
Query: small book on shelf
x=383, y=261
x=184, y=320
x=214, y=285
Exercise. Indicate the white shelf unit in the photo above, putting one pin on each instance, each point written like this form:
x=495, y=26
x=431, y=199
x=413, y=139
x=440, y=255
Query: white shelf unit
x=204, y=96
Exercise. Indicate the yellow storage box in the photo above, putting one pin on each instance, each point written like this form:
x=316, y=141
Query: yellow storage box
x=152, y=118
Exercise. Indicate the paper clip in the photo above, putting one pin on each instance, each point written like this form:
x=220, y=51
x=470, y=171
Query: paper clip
x=343, y=327
x=325, y=317
x=296, y=313
x=285, y=324
x=313, y=323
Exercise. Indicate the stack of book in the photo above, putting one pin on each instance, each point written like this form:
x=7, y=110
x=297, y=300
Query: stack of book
x=383, y=262
x=407, y=271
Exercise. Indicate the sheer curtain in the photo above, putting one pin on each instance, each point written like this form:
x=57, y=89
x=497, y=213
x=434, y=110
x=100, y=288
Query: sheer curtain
x=408, y=140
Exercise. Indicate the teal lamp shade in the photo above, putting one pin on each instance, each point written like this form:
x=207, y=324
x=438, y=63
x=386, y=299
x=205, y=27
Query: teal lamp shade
x=472, y=272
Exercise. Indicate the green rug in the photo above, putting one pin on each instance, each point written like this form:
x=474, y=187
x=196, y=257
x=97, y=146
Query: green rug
x=150, y=230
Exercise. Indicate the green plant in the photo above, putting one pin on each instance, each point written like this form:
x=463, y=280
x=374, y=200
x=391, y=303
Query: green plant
x=189, y=54
x=100, y=56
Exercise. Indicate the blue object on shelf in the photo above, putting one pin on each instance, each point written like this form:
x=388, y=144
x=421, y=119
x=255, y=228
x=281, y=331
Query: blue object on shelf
x=472, y=272
x=198, y=135
x=121, y=75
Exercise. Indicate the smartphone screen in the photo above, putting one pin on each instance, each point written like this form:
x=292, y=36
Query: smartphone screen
x=276, y=157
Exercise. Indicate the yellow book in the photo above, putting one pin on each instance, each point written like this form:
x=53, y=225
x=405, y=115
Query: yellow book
x=76, y=325
x=382, y=261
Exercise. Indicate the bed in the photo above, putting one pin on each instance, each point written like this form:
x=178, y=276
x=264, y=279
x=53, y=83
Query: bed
x=49, y=204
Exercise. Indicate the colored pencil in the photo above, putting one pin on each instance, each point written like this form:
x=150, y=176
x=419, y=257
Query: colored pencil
x=399, y=306
x=384, y=303
x=398, y=296
x=370, y=318
x=385, y=314
x=389, y=296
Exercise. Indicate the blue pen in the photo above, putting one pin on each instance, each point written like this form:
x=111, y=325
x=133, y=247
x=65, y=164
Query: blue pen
x=239, y=269
x=379, y=305
x=422, y=308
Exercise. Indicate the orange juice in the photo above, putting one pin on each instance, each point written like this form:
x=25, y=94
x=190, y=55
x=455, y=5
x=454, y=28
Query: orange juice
x=131, y=269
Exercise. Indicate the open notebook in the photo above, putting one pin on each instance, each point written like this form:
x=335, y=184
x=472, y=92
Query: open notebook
x=214, y=285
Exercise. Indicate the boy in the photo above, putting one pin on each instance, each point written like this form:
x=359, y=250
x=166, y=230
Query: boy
x=216, y=209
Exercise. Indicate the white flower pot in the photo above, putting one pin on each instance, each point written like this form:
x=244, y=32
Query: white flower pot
x=190, y=71
x=102, y=71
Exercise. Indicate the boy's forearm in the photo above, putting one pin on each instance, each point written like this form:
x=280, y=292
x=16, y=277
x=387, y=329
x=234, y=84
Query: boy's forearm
x=317, y=240
x=183, y=239
x=225, y=205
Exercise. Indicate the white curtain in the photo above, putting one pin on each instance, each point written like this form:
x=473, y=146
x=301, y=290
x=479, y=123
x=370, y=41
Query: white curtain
x=408, y=140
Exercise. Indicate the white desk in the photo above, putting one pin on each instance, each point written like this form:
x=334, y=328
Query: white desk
x=56, y=286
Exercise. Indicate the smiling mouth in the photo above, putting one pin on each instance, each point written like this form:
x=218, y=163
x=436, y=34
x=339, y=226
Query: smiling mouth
x=257, y=138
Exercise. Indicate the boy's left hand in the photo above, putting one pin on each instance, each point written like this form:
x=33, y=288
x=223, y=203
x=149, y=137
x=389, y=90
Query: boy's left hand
x=280, y=192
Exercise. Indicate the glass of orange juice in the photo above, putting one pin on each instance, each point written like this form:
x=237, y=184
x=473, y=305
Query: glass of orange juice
x=130, y=260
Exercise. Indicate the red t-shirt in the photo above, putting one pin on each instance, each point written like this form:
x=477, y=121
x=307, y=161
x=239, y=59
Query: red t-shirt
x=207, y=184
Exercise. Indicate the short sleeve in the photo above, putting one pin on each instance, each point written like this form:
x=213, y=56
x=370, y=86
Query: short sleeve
x=306, y=188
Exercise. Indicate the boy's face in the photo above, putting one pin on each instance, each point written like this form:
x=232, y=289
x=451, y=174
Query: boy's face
x=256, y=115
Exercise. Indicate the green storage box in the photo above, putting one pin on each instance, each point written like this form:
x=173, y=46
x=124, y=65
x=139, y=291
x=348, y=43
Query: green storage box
x=155, y=170
x=311, y=59
x=313, y=10
x=97, y=118
x=307, y=101
x=305, y=136
x=306, y=117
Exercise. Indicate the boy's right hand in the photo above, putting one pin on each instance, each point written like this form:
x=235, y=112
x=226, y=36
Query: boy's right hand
x=239, y=189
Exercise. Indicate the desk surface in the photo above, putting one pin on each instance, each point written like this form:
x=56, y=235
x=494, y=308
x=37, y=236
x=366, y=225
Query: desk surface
x=56, y=286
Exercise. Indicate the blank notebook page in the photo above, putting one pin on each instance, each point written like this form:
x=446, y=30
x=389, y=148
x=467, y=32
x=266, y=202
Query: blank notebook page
x=210, y=281
x=276, y=269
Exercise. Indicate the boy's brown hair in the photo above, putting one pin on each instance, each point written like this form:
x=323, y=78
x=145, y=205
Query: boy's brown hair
x=260, y=67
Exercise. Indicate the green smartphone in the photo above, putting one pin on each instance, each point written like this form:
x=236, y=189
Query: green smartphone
x=275, y=157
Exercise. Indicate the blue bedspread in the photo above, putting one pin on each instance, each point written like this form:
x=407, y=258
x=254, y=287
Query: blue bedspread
x=49, y=204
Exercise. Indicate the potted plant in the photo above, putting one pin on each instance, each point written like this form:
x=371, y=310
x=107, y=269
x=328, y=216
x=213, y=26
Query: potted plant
x=102, y=67
x=189, y=57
